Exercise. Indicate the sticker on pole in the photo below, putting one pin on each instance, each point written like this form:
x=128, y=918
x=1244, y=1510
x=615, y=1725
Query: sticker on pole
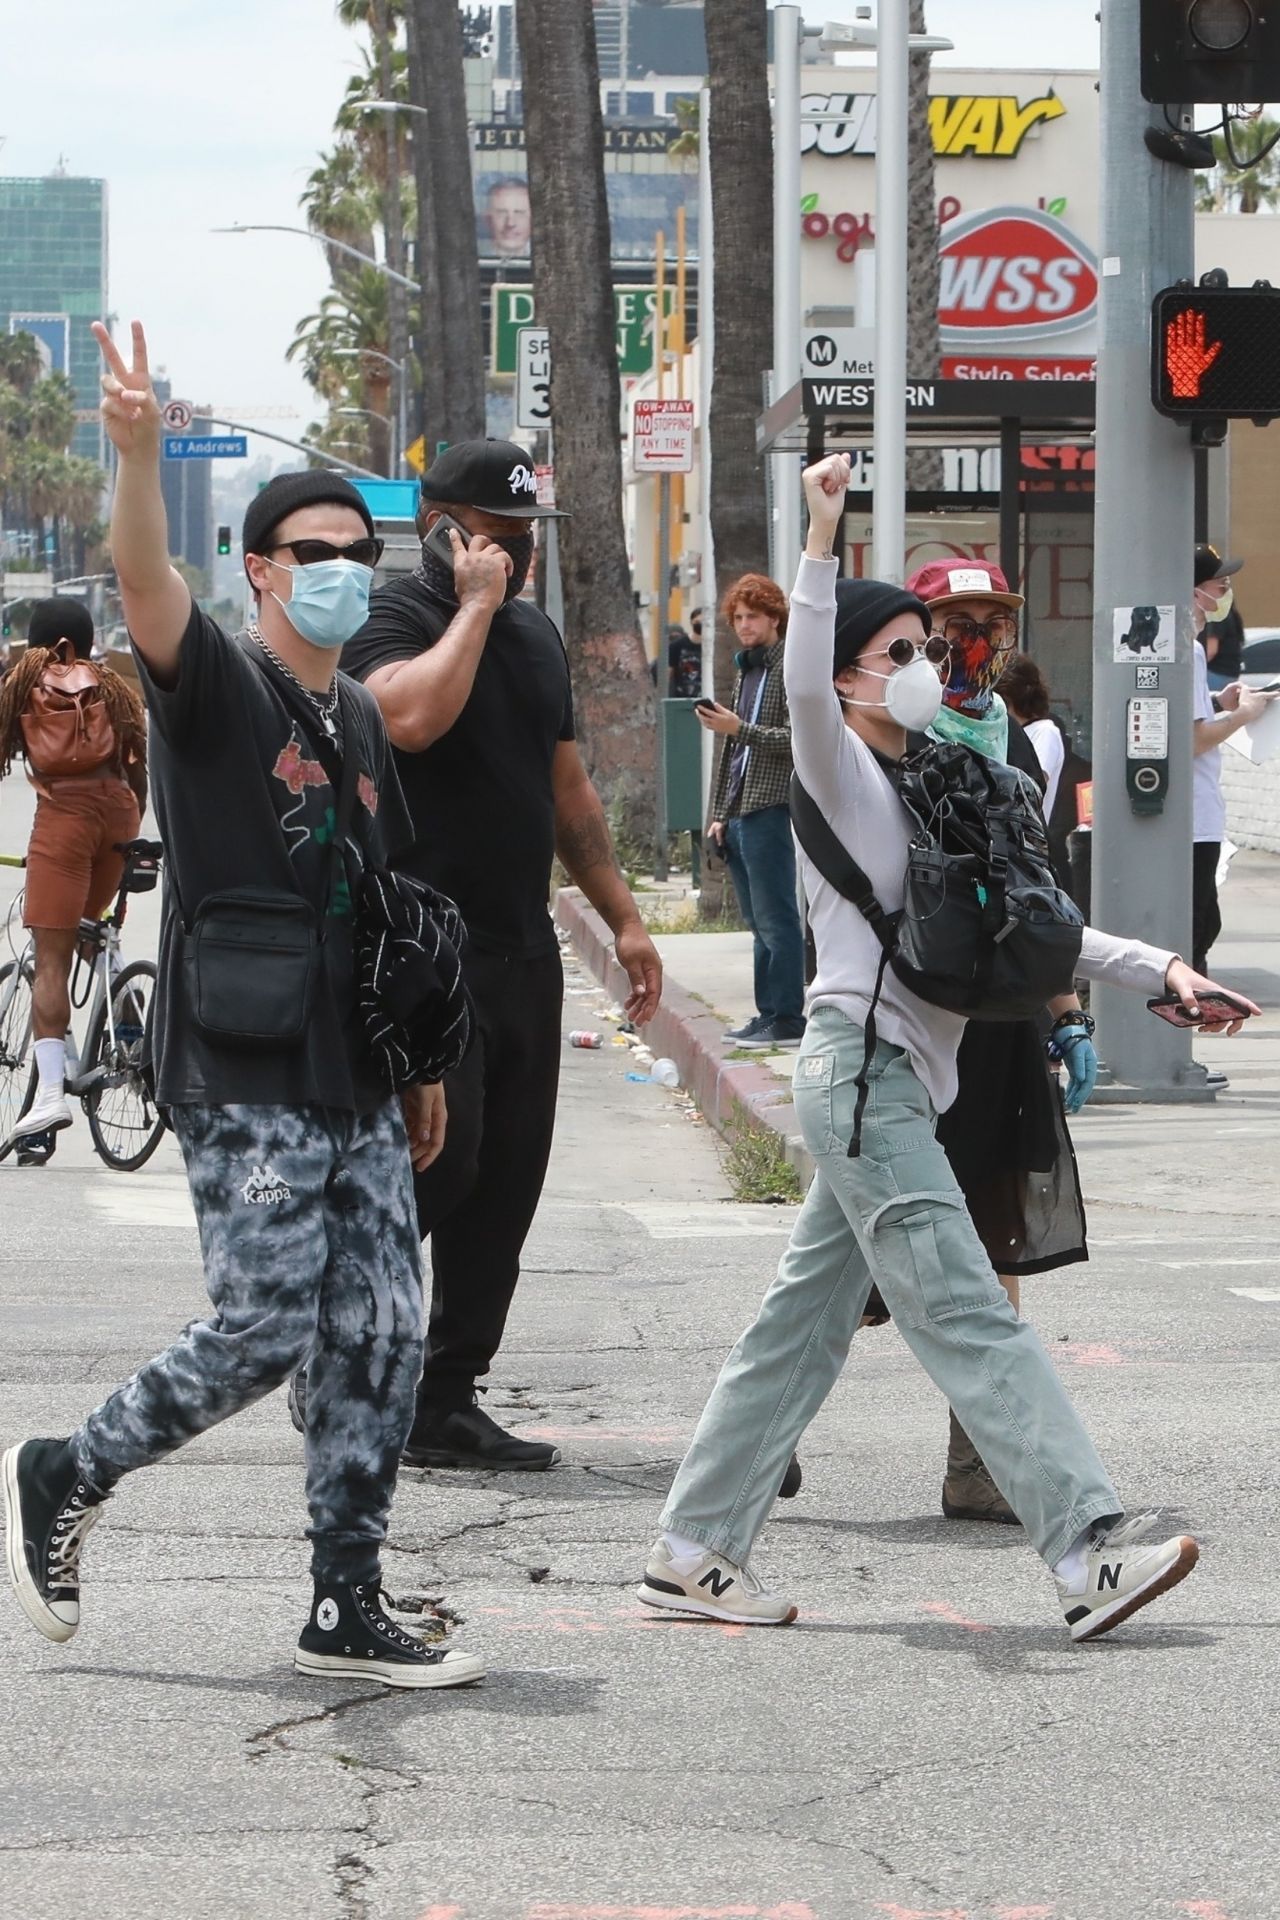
x=1142, y=635
x=178, y=415
x=662, y=436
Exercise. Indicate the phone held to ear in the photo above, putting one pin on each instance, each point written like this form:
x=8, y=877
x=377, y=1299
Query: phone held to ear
x=436, y=539
x=1214, y=1007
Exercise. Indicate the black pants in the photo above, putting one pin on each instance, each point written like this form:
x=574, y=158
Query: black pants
x=1206, y=921
x=478, y=1200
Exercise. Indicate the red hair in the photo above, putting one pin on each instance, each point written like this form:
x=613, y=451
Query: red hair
x=758, y=594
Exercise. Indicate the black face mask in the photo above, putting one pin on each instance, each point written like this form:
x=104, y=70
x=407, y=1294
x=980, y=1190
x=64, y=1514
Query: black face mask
x=438, y=574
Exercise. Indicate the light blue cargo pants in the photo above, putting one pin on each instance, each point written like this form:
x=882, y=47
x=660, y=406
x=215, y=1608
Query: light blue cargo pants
x=896, y=1216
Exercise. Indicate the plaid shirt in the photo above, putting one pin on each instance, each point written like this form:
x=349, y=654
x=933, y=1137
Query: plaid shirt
x=768, y=736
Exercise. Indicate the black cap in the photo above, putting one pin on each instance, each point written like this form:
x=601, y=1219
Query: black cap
x=496, y=476
x=862, y=608
x=1210, y=564
x=289, y=491
x=61, y=619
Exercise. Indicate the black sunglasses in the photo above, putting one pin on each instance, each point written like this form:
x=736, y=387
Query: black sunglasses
x=903, y=651
x=309, y=553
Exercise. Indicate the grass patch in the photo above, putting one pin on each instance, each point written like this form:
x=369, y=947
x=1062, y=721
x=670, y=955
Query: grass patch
x=757, y=1170
x=671, y=915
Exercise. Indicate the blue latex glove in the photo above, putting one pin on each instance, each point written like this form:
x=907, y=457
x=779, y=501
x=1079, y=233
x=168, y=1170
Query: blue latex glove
x=1076, y=1051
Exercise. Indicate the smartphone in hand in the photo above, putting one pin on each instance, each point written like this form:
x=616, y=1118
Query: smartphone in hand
x=705, y=706
x=1214, y=1007
x=436, y=541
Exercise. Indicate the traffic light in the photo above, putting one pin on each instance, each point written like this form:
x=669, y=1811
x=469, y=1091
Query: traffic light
x=6, y=625
x=1211, y=51
x=1216, y=351
x=224, y=539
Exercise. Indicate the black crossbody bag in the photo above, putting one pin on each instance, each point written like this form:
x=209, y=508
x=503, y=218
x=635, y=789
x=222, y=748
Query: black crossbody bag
x=251, y=956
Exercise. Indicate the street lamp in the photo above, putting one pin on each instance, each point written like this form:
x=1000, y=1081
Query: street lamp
x=341, y=246
x=390, y=106
x=400, y=368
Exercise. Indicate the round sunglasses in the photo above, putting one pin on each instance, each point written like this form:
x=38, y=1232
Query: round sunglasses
x=310, y=553
x=999, y=632
x=902, y=651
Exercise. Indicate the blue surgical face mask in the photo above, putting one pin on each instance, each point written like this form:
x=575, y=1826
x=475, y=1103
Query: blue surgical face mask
x=329, y=602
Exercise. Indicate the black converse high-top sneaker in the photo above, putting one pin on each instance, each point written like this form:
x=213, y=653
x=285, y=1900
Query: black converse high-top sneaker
x=351, y=1635
x=49, y=1509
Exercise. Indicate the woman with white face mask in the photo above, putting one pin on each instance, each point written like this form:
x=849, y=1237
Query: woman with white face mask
x=860, y=673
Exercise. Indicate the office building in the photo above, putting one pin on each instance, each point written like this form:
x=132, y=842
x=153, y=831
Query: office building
x=53, y=280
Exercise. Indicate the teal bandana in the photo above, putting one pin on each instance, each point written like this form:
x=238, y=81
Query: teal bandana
x=988, y=735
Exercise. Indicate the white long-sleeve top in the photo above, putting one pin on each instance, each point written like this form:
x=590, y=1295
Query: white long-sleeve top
x=858, y=798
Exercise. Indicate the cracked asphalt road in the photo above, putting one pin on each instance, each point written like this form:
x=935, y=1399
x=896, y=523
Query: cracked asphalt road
x=925, y=1742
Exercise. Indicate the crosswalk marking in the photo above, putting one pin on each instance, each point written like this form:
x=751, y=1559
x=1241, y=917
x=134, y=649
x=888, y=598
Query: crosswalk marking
x=1256, y=1293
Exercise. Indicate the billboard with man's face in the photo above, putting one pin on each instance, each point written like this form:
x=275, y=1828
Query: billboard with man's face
x=644, y=182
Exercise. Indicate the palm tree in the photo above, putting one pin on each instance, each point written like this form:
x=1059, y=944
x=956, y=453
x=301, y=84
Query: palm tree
x=20, y=362
x=439, y=78
x=1232, y=189
x=351, y=318
x=52, y=410
x=340, y=202
x=564, y=134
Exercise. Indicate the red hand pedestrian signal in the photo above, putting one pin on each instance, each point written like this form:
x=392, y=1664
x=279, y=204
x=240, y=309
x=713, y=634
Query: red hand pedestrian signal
x=1187, y=355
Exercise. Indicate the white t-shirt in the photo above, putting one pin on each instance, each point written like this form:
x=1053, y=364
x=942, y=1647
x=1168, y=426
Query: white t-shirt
x=1051, y=753
x=843, y=775
x=1208, y=808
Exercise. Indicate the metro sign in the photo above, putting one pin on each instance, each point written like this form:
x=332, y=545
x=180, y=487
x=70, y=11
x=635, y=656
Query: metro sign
x=1013, y=277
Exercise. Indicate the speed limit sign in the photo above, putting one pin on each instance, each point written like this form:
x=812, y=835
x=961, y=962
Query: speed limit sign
x=533, y=377
x=178, y=415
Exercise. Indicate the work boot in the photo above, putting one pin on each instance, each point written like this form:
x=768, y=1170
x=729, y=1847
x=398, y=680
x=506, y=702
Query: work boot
x=468, y=1437
x=969, y=1492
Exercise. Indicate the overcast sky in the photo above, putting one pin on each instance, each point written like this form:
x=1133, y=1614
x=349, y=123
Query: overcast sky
x=200, y=115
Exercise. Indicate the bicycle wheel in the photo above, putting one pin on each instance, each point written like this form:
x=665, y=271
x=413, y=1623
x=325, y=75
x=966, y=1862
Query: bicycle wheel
x=17, y=1056
x=123, y=1118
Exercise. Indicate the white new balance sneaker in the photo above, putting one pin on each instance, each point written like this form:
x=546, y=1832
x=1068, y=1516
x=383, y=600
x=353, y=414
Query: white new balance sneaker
x=714, y=1586
x=1121, y=1574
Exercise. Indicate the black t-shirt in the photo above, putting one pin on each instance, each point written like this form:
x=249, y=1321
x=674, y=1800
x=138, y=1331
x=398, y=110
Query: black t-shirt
x=684, y=668
x=481, y=797
x=242, y=801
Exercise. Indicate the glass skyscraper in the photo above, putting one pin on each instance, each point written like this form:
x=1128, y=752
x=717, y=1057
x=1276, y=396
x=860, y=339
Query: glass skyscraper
x=53, y=280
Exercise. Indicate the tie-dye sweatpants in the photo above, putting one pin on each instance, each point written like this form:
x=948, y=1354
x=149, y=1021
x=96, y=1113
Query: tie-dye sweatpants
x=311, y=1255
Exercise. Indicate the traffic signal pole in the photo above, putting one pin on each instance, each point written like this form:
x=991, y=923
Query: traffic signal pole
x=1143, y=546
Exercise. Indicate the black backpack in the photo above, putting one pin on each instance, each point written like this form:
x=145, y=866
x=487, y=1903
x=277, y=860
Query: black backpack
x=984, y=929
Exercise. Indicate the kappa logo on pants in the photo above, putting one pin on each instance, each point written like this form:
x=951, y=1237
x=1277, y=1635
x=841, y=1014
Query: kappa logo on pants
x=265, y=1188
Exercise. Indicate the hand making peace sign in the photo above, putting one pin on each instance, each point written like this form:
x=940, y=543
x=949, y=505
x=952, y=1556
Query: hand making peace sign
x=130, y=410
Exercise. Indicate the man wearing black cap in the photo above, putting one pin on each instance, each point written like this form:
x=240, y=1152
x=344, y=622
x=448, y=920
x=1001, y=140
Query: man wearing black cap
x=295, y=1148
x=1215, y=718
x=473, y=684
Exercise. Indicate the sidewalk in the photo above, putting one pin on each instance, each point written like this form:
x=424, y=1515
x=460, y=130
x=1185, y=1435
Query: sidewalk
x=708, y=989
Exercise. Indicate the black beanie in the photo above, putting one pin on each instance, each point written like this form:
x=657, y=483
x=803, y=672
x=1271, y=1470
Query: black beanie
x=289, y=491
x=862, y=608
x=62, y=619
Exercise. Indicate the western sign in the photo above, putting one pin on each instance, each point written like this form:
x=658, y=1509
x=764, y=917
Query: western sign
x=1013, y=276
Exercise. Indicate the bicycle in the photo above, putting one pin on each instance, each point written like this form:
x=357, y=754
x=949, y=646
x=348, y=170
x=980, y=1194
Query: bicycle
x=124, y=1121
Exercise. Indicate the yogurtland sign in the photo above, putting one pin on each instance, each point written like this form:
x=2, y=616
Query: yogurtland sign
x=1016, y=179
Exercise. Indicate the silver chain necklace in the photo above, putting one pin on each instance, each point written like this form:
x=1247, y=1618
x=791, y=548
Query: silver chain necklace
x=326, y=705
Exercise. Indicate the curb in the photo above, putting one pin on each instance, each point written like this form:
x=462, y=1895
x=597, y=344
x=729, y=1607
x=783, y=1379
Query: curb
x=731, y=1094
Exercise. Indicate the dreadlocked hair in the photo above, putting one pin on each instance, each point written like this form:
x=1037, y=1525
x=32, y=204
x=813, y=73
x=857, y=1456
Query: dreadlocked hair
x=124, y=710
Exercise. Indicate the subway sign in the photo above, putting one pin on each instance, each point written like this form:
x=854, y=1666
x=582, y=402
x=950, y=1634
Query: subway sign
x=1216, y=351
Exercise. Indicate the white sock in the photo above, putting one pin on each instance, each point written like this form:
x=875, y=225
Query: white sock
x=685, y=1553
x=51, y=1064
x=1071, y=1568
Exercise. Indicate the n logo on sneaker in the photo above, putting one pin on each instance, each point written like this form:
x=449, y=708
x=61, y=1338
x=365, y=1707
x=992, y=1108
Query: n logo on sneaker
x=718, y=1581
x=1109, y=1576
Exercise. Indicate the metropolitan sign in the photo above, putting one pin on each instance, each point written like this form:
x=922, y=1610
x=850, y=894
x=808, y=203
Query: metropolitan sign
x=662, y=436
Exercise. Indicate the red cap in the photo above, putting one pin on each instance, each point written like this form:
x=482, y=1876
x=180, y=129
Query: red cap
x=940, y=581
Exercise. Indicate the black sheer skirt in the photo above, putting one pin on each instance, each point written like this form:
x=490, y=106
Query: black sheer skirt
x=1007, y=1140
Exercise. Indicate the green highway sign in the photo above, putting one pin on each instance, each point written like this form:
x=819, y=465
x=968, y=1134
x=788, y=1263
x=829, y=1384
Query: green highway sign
x=633, y=310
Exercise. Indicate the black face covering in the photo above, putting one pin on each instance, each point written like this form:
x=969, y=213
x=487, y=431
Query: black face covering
x=438, y=574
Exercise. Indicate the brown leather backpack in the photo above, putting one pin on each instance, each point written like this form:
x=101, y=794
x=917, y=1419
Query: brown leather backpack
x=66, y=728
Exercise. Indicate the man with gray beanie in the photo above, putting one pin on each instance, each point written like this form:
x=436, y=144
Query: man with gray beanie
x=275, y=793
